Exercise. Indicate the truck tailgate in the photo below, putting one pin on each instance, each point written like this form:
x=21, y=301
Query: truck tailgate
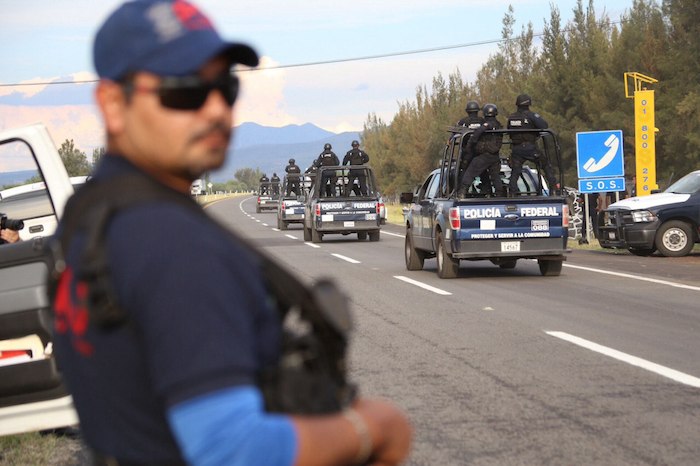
x=523, y=227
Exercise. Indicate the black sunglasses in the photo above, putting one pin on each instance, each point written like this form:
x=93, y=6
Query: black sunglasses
x=188, y=92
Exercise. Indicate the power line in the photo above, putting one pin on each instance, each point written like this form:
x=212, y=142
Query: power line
x=326, y=62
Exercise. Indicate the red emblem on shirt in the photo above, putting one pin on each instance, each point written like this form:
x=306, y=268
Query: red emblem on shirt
x=72, y=315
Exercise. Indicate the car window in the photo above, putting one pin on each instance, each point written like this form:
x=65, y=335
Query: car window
x=433, y=187
x=23, y=195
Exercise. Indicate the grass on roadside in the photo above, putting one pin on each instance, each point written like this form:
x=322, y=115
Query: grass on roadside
x=34, y=448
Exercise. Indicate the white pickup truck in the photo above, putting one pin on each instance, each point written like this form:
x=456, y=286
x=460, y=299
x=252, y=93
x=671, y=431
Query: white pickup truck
x=34, y=188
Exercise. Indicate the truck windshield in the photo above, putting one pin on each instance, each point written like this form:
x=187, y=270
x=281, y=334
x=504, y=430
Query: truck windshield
x=689, y=184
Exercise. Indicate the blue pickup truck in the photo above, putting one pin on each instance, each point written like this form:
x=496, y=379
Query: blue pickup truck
x=343, y=200
x=668, y=222
x=483, y=225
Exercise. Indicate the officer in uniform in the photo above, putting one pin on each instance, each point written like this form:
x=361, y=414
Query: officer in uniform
x=356, y=156
x=275, y=184
x=328, y=158
x=472, y=121
x=483, y=150
x=293, y=173
x=264, y=187
x=310, y=173
x=524, y=147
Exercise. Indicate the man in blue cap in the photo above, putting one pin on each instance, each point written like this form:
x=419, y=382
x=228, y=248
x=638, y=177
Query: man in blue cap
x=178, y=381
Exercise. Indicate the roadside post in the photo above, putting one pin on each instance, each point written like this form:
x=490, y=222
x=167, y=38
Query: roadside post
x=600, y=164
x=644, y=131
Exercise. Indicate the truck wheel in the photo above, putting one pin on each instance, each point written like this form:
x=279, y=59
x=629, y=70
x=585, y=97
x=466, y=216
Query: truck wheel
x=643, y=252
x=550, y=268
x=316, y=236
x=674, y=239
x=307, y=234
x=447, y=267
x=374, y=235
x=362, y=235
x=414, y=258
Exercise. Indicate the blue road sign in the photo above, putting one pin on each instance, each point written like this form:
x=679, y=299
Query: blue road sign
x=599, y=154
x=601, y=185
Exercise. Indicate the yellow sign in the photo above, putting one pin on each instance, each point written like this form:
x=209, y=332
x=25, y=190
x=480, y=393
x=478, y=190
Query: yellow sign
x=645, y=142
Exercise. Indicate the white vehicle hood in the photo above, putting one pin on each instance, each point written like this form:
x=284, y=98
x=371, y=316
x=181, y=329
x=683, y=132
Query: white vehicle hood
x=649, y=202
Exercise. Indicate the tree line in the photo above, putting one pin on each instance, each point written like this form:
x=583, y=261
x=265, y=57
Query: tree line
x=574, y=74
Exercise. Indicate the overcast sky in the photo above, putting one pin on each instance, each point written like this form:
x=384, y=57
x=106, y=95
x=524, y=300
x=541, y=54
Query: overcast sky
x=51, y=40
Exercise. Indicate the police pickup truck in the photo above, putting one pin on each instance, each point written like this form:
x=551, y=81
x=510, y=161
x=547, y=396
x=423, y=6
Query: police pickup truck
x=531, y=224
x=668, y=222
x=290, y=210
x=268, y=196
x=342, y=200
x=34, y=187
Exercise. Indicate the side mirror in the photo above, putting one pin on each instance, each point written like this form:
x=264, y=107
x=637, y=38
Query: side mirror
x=406, y=198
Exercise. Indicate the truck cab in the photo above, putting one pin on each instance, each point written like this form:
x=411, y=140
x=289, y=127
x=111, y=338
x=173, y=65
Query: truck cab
x=668, y=222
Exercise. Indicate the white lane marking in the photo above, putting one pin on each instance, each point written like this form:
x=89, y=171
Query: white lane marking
x=392, y=234
x=629, y=359
x=290, y=236
x=636, y=277
x=257, y=220
x=275, y=229
x=312, y=244
x=265, y=225
x=423, y=285
x=346, y=259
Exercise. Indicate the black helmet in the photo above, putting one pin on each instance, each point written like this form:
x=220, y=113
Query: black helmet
x=291, y=161
x=355, y=144
x=472, y=106
x=490, y=110
x=327, y=146
x=523, y=100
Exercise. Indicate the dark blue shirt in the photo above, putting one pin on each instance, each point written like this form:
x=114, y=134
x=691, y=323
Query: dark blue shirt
x=198, y=322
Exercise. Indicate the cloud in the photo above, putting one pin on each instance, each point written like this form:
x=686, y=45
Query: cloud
x=262, y=96
x=75, y=89
x=78, y=122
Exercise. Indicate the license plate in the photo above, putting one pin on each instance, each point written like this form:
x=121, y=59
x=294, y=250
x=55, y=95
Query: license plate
x=611, y=235
x=349, y=224
x=510, y=246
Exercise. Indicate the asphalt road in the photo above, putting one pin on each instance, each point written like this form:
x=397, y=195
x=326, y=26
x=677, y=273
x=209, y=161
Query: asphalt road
x=599, y=366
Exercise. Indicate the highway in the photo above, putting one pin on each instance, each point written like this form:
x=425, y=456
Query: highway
x=599, y=366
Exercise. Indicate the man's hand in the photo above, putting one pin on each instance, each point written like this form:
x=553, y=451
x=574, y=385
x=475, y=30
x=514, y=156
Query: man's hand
x=10, y=236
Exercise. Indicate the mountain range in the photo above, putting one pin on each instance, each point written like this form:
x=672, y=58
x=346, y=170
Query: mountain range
x=270, y=148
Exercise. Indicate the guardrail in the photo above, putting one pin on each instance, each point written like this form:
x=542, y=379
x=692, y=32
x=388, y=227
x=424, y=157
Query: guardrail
x=207, y=198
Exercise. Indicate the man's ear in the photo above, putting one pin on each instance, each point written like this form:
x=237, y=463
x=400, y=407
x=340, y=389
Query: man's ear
x=111, y=100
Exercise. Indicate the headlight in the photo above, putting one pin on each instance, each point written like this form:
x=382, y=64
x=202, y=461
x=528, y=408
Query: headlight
x=643, y=216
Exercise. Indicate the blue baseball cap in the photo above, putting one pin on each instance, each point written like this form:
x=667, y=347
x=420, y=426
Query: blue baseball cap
x=163, y=37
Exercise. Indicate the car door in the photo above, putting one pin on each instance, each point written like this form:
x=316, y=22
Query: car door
x=423, y=212
x=32, y=395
